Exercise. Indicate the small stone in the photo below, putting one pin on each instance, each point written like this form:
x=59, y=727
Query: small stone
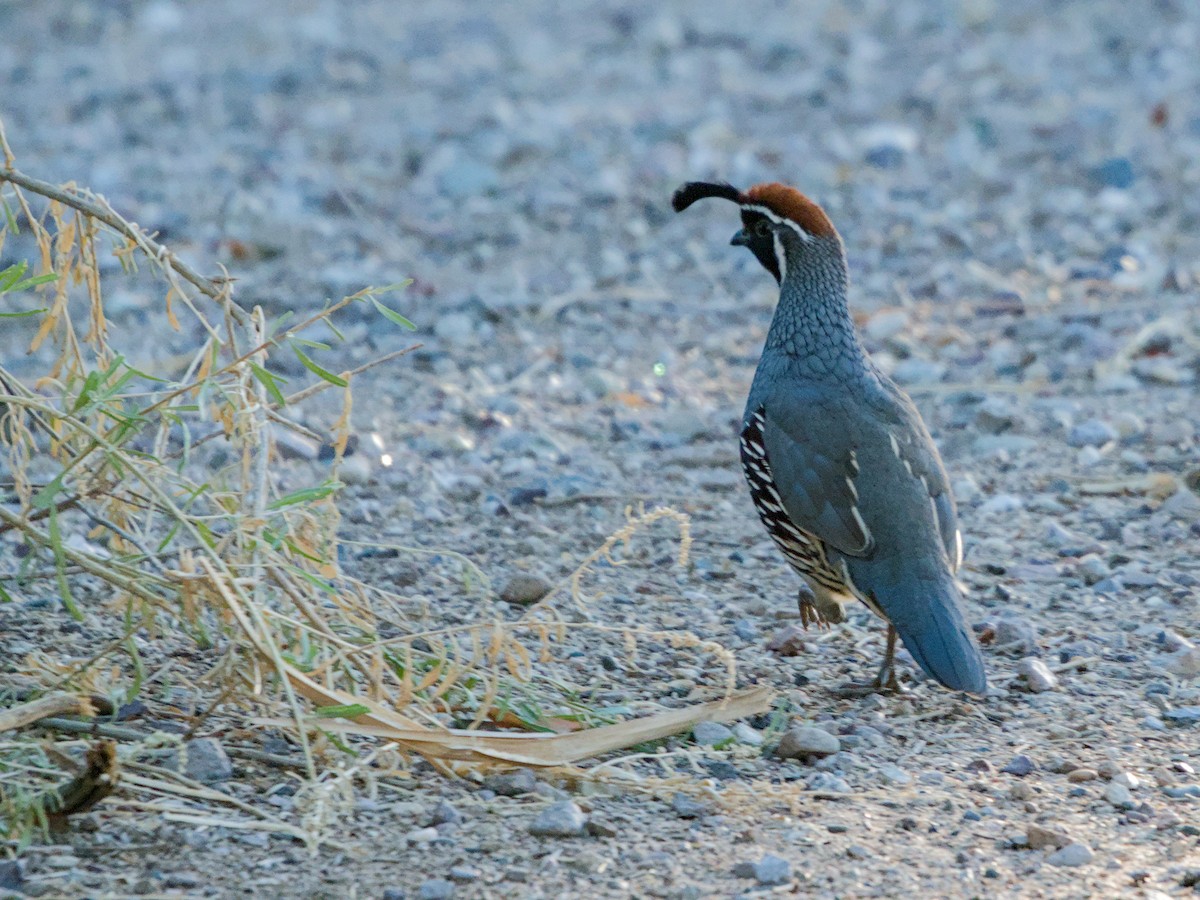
x=1092, y=569
x=1184, y=663
x=747, y=735
x=444, y=814
x=563, y=819
x=206, y=761
x=524, y=589
x=712, y=734
x=1020, y=791
x=1037, y=676
x=1116, y=172
x=806, y=740
x=1184, y=715
x=435, y=889
x=1017, y=634
x=858, y=851
x=1039, y=837
x=1020, y=766
x=787, y=641
x=394, y=893
x=1077, y=776
x=511, y=784
x=1001, y=503
x=1076, y=854
x=828, y=783
x=12, y=875
x=687, y=808
x=1092, y=433
x=1128, y=779
x=770, y=870
x=422, y=835
x=893, y=774
x=1119, y=796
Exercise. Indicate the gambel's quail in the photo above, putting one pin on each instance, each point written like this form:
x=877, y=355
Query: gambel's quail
x=841, y=468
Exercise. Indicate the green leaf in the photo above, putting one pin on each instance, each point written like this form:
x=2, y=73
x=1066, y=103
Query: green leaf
x=305, y=342
x=347, y=711
x=271, y=382
x=323, y=374
x=392, y=316
x=60, y=566
x=306, y=495
x=34, y=281
x=23, y=315
x=9, y=276
x=44, y=499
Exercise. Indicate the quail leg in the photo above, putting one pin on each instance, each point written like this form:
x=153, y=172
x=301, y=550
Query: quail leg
x=885, y=682
x=807, y=601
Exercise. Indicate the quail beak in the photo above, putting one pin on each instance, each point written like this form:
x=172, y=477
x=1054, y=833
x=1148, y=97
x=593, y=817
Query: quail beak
x=741, y=239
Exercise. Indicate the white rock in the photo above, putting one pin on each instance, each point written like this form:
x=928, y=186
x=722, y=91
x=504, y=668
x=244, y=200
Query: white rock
x=1037, y=676
x=1072, y=855
x=1118, y=795
x=807, y=740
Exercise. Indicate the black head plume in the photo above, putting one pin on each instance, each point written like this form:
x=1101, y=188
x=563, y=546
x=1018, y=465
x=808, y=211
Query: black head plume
x=698, y=190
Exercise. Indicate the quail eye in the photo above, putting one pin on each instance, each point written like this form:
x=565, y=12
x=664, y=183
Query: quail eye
x=762, y=228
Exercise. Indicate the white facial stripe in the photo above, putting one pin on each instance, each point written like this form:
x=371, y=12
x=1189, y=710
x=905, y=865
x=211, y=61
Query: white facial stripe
x=780, y=257
x=779, y=220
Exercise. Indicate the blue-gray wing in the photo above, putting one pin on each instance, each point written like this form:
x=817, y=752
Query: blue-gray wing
x=814, y=472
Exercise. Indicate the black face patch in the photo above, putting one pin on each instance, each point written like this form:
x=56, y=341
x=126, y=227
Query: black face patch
x=760, y=239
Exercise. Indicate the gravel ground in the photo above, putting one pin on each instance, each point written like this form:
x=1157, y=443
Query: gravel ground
x=1017, y=185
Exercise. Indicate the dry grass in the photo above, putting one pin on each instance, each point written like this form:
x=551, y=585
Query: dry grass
x=162, y=499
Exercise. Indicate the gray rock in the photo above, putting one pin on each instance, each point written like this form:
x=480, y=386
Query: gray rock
x=464, y=873
x=1092, y=569
x=454, y=327
x=687, y=808
x=1119, y=796
x=563, y=820
x=893, y=774
x=1092, y=433
x=511, y=784
x=770, y=870
x=444, y=814
x=747, y=735
x=1185, y=663
x=12, y=877
x=1020, y=766
x=524, y=589
x=826, y=782
x=710, y=734
x=1016, y=634
x=1039, y=837
x=1076, y=854
x=801, y=741
x=205, y=761
x=1037, y=676
x=468, y=178
x=1001, y=503
x=436, y=889
x=1184, y=715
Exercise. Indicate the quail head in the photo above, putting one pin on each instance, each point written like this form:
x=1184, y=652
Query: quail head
x=841, y=468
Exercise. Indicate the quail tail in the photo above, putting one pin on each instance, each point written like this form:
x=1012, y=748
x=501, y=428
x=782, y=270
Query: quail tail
x=927, y=614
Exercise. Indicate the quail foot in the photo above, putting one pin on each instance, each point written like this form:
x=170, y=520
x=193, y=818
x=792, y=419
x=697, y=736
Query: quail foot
x=841, y=468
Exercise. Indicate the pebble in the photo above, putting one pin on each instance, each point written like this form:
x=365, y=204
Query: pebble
x=770, y=870
x=1184, y=716
x=828, y=783
x=1091, y=568
x=1077, y=776
x=687, y=808
x=806, y=740
x=1119, y=796
x=893, y=774
x=1092, y=433
x=422, y=835
x=524, y=589
x=1077, y=854
x=1013, y=633
x=747, y=735
x=563, y=819
x=1020, y=766
x=511, y=784
x=1037, y=676
x=1040, y=837
x=1184, y=663
x=206, y=761
x=1001, y=503
x=445, y=813
x=712, y=734
x=435, y=889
